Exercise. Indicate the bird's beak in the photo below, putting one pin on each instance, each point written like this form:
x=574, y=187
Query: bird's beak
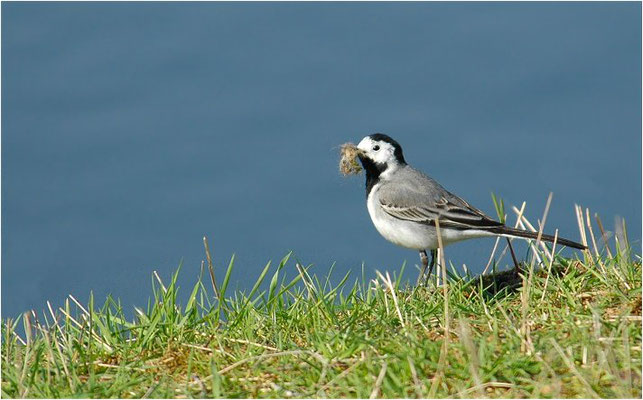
x=361, y=155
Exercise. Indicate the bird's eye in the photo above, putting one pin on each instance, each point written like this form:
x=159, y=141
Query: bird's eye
x=376, y=148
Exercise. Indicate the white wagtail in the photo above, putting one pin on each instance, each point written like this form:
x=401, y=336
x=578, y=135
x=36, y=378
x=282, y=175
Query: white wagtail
x=404, y=204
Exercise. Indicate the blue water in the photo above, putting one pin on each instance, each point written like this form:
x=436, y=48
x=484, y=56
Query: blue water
x=130, y=131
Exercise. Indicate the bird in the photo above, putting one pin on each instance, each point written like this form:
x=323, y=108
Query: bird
x=408, y=207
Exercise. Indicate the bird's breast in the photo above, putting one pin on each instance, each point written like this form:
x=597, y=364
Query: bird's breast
x=403, y=233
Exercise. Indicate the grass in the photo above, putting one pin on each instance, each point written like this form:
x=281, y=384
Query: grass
x=571, y=328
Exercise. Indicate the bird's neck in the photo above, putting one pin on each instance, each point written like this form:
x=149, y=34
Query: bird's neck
x=375, y=172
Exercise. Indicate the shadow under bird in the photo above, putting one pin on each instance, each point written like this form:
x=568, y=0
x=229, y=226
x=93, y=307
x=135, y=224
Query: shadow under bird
x=404, y=205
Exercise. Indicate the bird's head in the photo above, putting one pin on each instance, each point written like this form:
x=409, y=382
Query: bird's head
x=380, y=151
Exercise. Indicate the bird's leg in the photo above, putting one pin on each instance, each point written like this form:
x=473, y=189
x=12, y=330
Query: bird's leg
x=513, y=256
x=434, y=256
x=425, y=263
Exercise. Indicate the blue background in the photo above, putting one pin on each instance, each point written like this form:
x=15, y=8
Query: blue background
x=131, y=130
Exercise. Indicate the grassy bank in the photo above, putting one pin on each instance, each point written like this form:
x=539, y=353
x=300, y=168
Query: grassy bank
x=569, y=329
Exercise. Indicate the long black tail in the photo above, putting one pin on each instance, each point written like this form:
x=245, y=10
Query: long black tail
x=505, y=230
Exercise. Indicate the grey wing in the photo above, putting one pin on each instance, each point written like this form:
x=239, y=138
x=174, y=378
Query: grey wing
x=423, y=200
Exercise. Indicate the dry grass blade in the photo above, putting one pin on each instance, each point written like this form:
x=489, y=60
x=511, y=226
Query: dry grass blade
x=474, y=363
x=591, y=232
x=417, y=386
x=63, y=363
x=388, y=284
x=55, y=323
x=310, y=287
x=525, y=329
x=551, y=263
x=14, y=333
x=523, y=223
x=82, y=326
x=263, y=346
x=603, y=235
x=72, y=319
x=158, y=279
x=378, y=382
x=483, y=386
x=573, y=368
x=545, y=213
x=628, y=363
x=504, y=251
x=493, y=253
x=317, y=356
x=340, y=376
x=620, y=236
x=151, y=390
x=445, y=344
x=581, y=225
x=85, y=312
x=445, y=284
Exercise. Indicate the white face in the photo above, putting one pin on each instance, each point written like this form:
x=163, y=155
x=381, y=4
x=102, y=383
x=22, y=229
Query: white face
x=379, y=151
